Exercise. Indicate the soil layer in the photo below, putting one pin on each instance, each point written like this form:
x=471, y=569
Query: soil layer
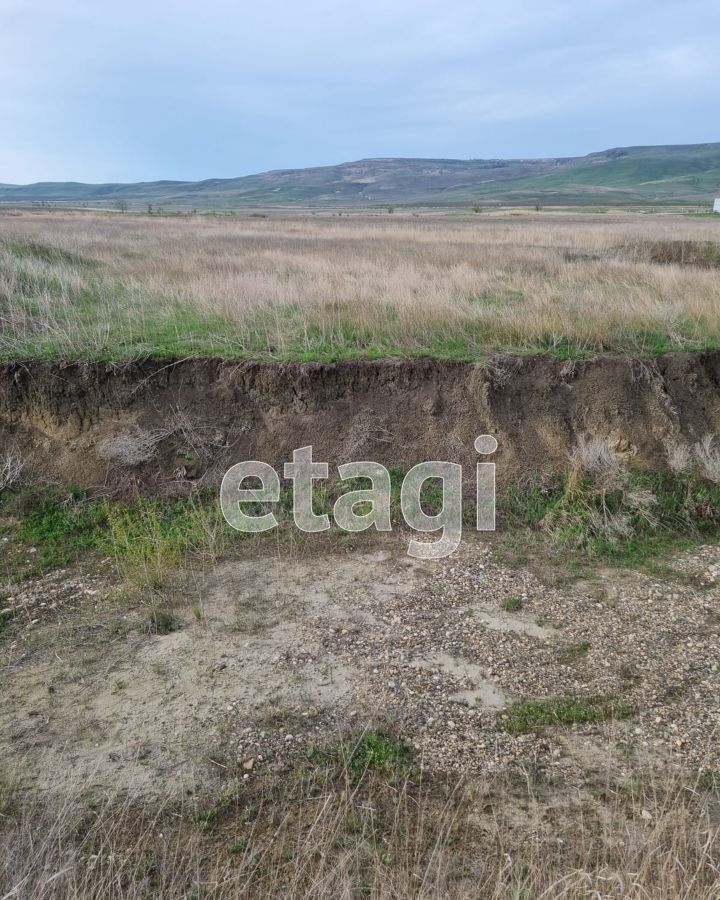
x=166, y=426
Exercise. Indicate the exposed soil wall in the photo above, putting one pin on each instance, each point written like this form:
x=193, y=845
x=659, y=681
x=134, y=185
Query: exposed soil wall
x=166, y=426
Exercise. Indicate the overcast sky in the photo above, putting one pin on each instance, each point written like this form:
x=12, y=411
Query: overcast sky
x=134, y=90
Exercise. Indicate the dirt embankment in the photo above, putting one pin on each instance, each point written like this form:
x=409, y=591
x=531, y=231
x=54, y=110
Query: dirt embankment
x=166, y=426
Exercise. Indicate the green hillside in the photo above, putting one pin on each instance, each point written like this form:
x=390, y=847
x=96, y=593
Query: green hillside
x=622, y=176
x=636, y=174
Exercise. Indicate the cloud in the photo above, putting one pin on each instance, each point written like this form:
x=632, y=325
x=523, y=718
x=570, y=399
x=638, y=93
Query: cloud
x=160, y=89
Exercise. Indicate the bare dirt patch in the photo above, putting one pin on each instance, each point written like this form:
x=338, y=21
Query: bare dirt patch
x=272, y=656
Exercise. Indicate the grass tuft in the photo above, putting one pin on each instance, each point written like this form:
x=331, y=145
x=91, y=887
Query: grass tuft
x=371, y=751
x=512, y=604
x=526, y=716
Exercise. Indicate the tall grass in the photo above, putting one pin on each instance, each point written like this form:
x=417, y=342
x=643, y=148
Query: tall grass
x=92, y=285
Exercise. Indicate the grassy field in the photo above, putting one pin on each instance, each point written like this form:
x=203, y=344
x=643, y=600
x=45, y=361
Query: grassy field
x=327, y=287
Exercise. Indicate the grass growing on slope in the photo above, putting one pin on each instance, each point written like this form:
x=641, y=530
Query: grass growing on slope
x=597, y=509
x=600, y=510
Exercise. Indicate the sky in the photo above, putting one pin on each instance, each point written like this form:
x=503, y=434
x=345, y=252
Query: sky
x=141, y=90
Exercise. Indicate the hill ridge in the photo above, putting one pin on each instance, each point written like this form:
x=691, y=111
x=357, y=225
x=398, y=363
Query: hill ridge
x=662, y=174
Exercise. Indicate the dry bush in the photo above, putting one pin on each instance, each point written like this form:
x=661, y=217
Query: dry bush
x=132, y=447
x=703, y=458
x=707, y=456
x=594, y=457
x=680, y=458
x=11, y=467
x=199, y=437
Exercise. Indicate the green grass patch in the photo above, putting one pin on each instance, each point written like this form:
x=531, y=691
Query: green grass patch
x=54, y=528
x=5, y=620
x=150, y=537
x=526, y=716
x=369, y=752
x=626, y=523
x=147, y=537
x=512, y=604
x=47, y=253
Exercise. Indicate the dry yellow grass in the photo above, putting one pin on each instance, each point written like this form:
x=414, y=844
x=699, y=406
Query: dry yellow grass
x=358, y=285
x=325, y=837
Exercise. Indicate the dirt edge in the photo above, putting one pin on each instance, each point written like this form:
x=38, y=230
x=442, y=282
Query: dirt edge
x=168, y=426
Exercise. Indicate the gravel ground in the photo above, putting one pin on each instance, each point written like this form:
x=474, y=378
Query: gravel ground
x=441, y=661
x=281, y=655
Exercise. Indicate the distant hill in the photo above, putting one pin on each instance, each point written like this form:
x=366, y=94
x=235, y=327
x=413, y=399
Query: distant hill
x=622, y=176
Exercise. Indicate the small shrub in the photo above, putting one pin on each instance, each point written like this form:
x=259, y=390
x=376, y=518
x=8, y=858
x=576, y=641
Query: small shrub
x=595, y=458
x=150, y=538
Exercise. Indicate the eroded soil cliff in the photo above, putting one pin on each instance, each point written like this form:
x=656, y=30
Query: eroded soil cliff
x=166, y=426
